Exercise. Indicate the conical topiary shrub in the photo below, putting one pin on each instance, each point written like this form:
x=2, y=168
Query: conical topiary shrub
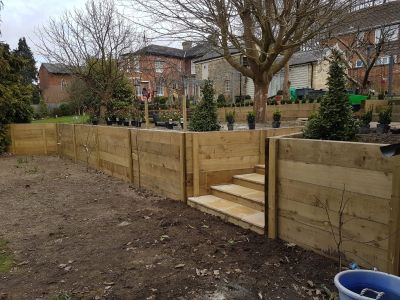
x=334, y=120
x=205, y=117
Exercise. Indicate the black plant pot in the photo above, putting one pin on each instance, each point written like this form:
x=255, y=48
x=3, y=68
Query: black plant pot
x=95, y=122
x=126, y=123
x=119, y=122
x=230, y=126
x=276, y=124
x=133, y=123
x=252, y=125
x=109, y=122
x=382, y=128
x=364, y=129
x=169, y=126
x=139, y=123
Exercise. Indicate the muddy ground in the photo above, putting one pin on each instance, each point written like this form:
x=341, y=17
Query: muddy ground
x=84, y=235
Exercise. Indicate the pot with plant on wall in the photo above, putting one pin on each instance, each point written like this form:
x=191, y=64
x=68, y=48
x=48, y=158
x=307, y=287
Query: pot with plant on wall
x=276, y=123
x=230, y=119
x=251, y=120
x=94, y=120
x=385, y=118
x=366, y=119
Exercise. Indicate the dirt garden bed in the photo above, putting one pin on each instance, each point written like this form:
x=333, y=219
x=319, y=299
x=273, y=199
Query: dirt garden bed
x=84, y=235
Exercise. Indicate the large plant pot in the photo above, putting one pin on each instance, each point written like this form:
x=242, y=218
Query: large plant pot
x=119, y=122
x=133, y=123
x=230, y=126
x=95, y=122
x=382, y=128
x=126, y=123
x=276, y=124
x=252, y=125
x=109, y=122
x=169, y=126
x=366, y=285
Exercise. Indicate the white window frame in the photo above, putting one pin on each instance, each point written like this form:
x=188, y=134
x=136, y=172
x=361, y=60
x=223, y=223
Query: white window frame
x=394, y=36
x=192, y=68
x=358, y=64
x=158, y=66
x=160, y=90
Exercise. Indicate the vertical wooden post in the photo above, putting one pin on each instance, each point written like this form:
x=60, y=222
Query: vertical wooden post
x=394, y=222
x=262, y=157
x=182, y=158
x=97, y=149
x=12, y=133
x=146, y=112
x=44, y=139
x=272, y=193
x=266, y=155
x=196, y=168
x=74, y=142
x=130, y=169
x=184, y=113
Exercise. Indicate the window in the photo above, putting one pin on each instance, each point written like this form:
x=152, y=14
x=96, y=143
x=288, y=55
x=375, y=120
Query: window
x=159, y=66
x=136, y=64
x=384, y=60
x=359, y=64
x=64, y=84
x=227, y=85
x=245, y=61
x=192, y=68
x=160, y=90
x=387, y=34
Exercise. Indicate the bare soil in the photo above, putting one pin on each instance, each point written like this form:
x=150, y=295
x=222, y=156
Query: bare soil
x=388, y=138
x=85, y=235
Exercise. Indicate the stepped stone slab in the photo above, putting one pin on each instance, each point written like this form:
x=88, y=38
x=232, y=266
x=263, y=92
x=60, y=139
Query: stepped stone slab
x=229, y=211
x=252, y=180
x=240, y=194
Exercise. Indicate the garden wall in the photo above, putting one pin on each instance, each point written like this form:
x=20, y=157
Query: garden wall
x=36, y=139
x=289, y=112
x=307, y=179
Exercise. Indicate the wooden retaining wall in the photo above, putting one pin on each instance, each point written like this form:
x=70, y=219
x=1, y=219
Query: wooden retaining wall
x=33, y=139
x=289, y=112
x=307, y=179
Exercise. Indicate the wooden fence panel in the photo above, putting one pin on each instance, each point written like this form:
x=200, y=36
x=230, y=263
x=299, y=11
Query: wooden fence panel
x=314, y=178
x=160, y=154
x=33, y=139
x=65, y=137
x=86, y=144
x=114, y=152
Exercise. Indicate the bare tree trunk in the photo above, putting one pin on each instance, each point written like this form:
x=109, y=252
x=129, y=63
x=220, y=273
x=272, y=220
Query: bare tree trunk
x=260, y=100
x=286, y=85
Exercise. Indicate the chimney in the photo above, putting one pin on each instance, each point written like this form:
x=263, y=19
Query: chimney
x=186, y=45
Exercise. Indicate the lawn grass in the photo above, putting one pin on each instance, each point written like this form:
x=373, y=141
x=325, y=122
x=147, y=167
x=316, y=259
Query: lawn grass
x=6, y=257
x=66, y=119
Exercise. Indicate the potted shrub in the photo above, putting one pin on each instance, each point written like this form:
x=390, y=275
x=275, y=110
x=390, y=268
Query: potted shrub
x=276, y=123
x=366, y=118
x=230, y=119
x=94, y=120
x=385, y=118
x=251, y=120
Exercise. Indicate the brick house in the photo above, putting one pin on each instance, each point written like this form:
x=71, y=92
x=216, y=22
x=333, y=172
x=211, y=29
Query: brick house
x=307, y=69
x=53, y=83
x=164, y=71
x=361, y=36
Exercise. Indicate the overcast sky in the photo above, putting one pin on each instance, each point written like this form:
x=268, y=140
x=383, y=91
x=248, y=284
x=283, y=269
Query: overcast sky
x=21, y=17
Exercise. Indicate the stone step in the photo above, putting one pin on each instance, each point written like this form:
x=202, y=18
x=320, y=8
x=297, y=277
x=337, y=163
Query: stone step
x=231, y=212
x=240, y=194
x=253, y=181
x=260, y=169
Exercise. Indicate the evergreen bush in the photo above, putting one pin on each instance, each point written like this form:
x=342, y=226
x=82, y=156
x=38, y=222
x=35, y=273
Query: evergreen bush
x=205, y=116
x=335, y=119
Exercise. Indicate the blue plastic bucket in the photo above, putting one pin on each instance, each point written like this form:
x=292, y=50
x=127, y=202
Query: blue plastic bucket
x=367, y=285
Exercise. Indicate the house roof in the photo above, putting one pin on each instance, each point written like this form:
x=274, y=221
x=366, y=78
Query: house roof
x=371, y=18
x=56, y=68
x=298, y=58
x=196, y=51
